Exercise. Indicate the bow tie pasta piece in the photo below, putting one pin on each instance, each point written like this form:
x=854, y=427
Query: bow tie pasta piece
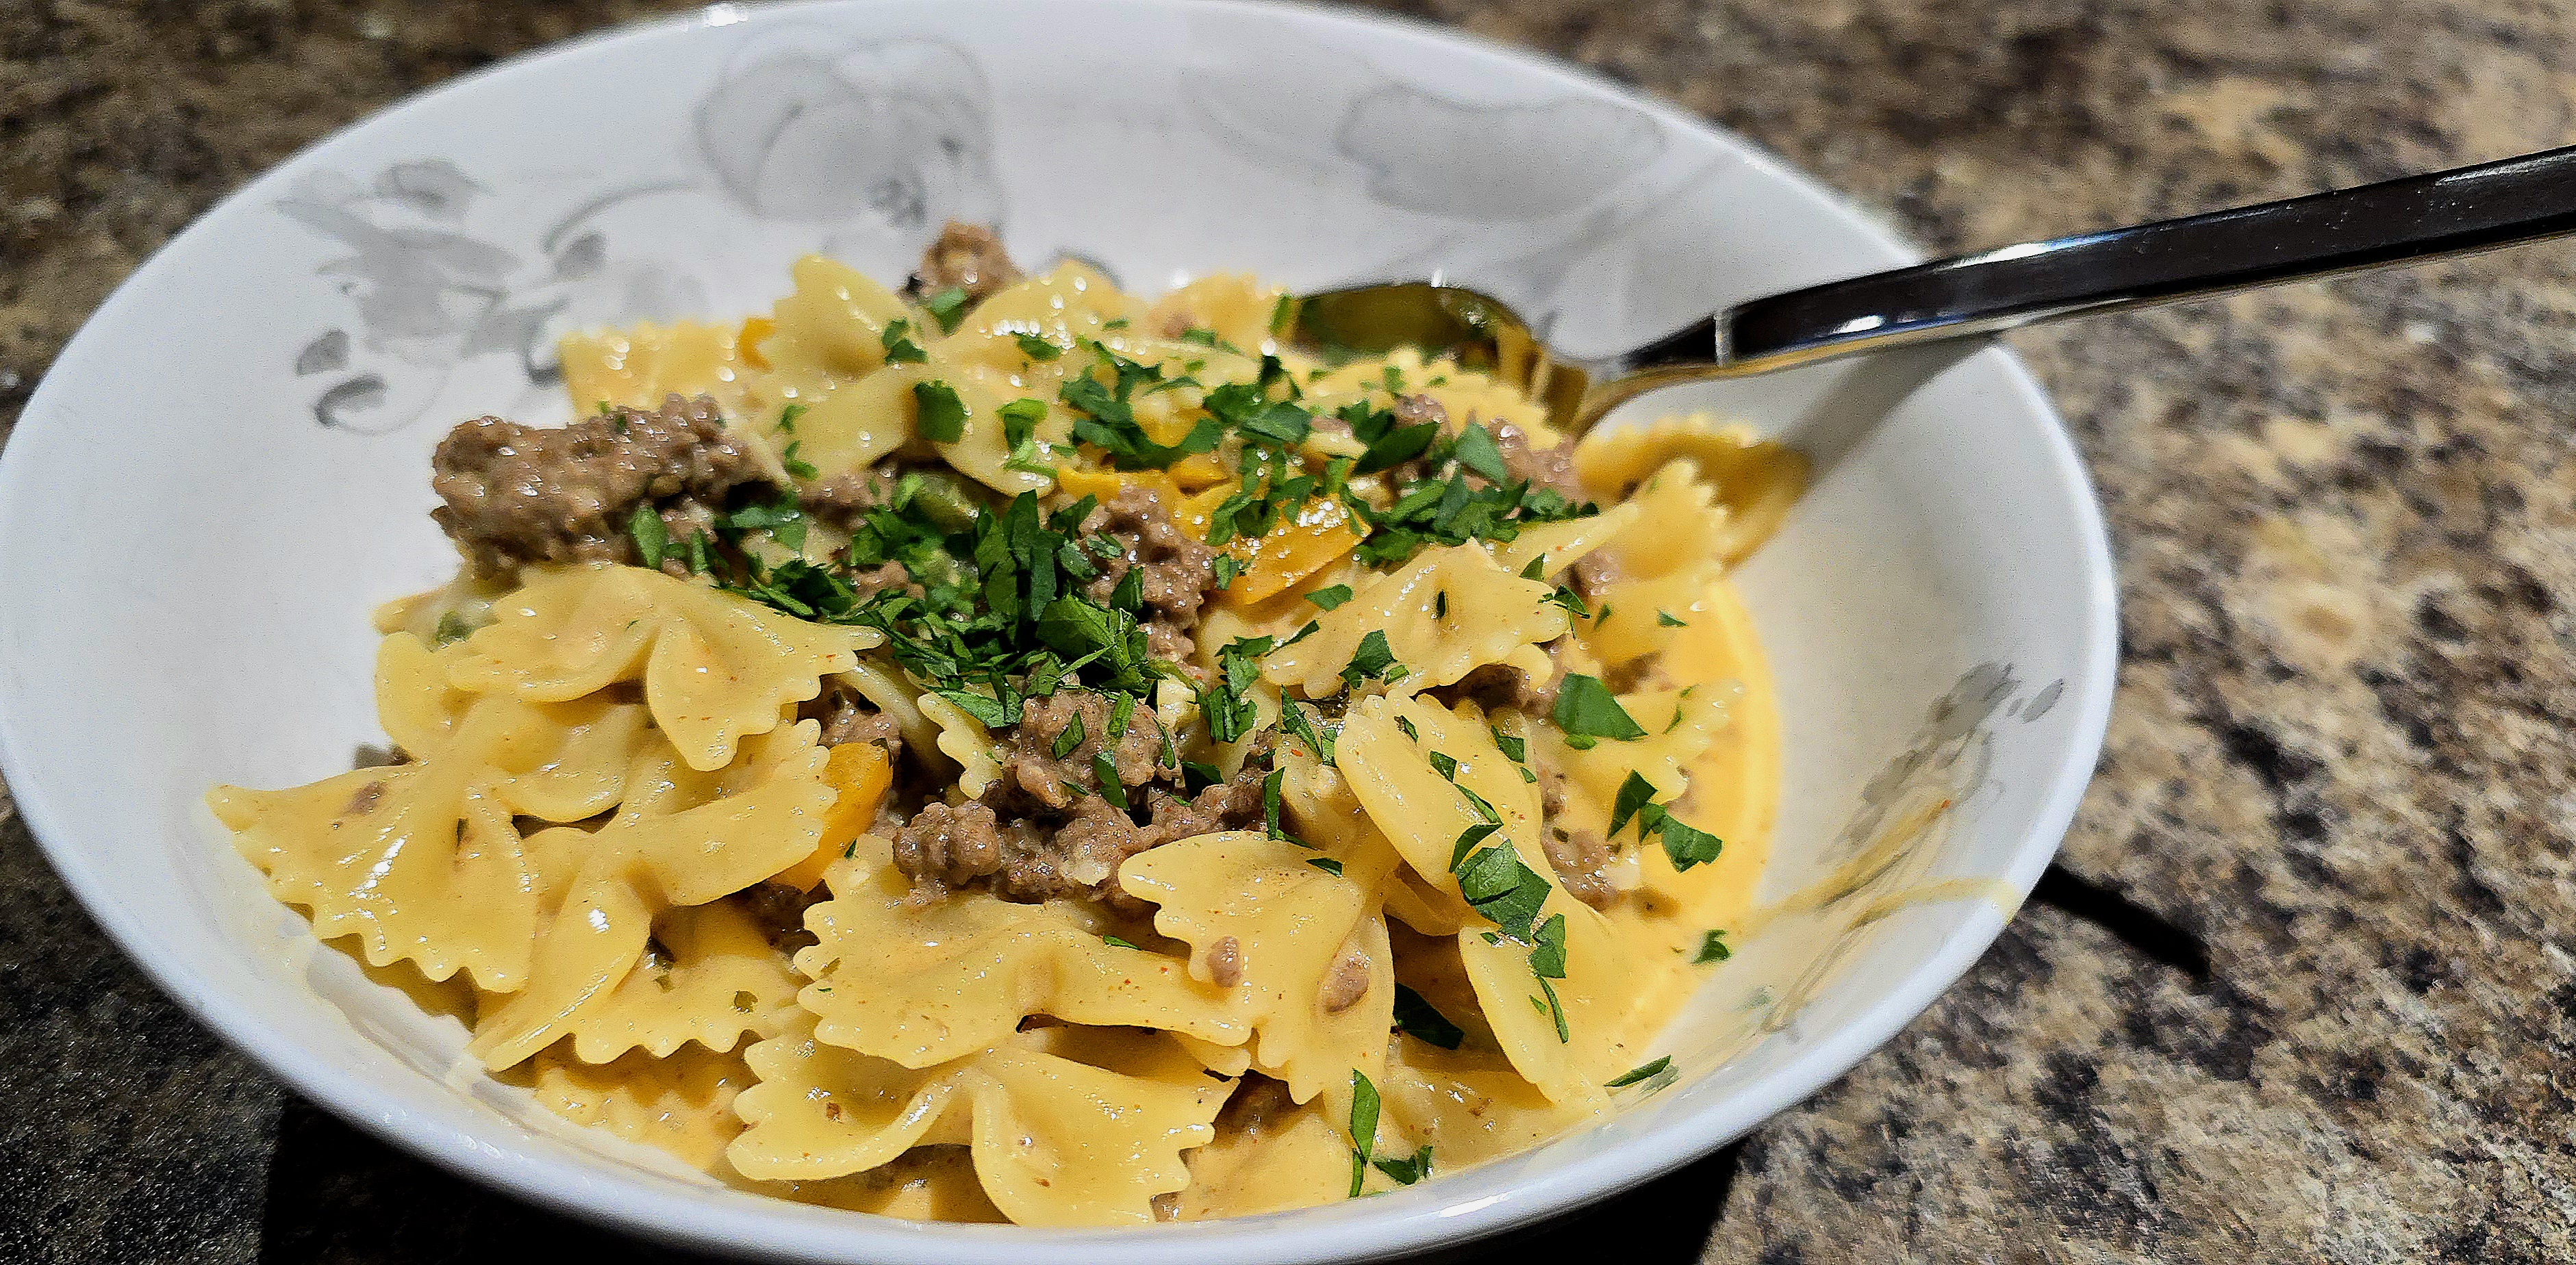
x=1548, y=970
x=1665, y=564
x=926, y=1183
x=419, y=861
x=1063, y=1143
x=1056, y=1140
x=1757, y=480
x=645, y=364
x=1680, y=725
x=1557, y=546
x=667, y=847
x=415, y=702
x=1301, y=952
x=963, y=739
x=925, y=982
x=1446, y=613
x=682, y=1103
x=1469, y=1105
x=708, y=975
x=1299, y=1160
x=716, y=668
x=821, y=1111
x=1063, y=308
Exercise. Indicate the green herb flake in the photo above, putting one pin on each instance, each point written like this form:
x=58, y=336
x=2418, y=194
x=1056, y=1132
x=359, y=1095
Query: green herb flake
x=1106, y=770
x=1687, y=845
x=1331, y=598
x=452, y=628
x=1556, y=1010
x=1327, y=865
x=1513, y=749
x=1407, y=1172
x=1712, y=948
x=1643, y=1072
x=1585, y=708
x=1364, y=1109
x=797, y=468
x=1123, y=944
x=939, y=414
x=1226, y=569
x=652, y=538
x=1634, y=794
x=788, y=415
x=1067, y=741
x=1293, y=718
x=1475, y=449
x=1036, y=348
x=898, y=344
x=1547, y=960
x=947, y=307
x=1283, y=315
x=1373, y=660
x=1508, y=893
x=1664, y=619
x=1416, y=1017
x=1020, y=420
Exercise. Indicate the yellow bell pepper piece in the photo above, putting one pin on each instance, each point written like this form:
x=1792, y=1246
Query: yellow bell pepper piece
x=863, y=774
x=1290, y=551
x=755, y=331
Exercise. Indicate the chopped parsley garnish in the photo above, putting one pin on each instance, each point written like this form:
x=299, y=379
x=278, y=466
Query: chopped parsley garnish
x=1071, y=738
x=1513, y=749
x=947, y=307
x=1445, y=764
x=1643, y=1072
x=1508, y=893
x=1230, y=710
x=1686, y=844
x=796, y=467
x=1105, y=768
x=1283, y=314
x=1634, y=794
x=1373, y=660
x=1406, y=1172
x=1124, y=944
x=938, y=412
x=1293, y=718
x=898, y=344
x=1547, y=960
x=1036, y=348
x=1554, y=1009
x=1331, y=598
x=652, y=538
x=1468, y=839
x=1475, y=449
x=1415, y=1016
x=451, y=629
x=1364, y=1108
x=1327, y=865
x=788, y=415
x=1712, y=948
x=1664, y=619
x=1586, y=709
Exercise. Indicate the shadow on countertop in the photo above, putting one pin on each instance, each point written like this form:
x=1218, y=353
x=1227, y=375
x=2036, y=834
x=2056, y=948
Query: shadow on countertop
x=339, y=1197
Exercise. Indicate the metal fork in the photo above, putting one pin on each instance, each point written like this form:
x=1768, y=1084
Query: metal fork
x=2397, y=221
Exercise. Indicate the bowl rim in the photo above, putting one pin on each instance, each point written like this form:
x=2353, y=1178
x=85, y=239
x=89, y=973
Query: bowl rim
x=1405, y=1223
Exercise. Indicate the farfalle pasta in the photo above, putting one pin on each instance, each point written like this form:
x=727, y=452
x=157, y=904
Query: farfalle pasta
x=1008, y=749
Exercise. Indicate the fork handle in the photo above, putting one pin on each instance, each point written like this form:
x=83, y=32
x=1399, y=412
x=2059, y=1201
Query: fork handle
x=2396, y=221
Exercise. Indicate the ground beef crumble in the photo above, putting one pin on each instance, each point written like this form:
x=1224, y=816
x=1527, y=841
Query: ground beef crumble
x=1179, y=569
x=1024, y=849
x=966, y=257
x=526, y=494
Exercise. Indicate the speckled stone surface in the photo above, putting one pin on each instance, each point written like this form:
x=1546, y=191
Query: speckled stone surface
x=2302, y=987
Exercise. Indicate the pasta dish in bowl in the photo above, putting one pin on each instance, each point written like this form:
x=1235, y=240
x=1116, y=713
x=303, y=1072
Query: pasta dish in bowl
x=1008, y=749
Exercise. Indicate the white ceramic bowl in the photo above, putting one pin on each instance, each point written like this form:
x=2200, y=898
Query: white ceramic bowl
x=228, y=467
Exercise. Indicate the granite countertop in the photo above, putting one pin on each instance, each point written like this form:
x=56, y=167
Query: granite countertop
x=2300, y=987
